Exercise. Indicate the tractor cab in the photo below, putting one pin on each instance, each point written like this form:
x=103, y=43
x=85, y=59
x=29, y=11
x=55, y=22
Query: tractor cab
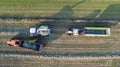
x=43, y=30
x=33, y=31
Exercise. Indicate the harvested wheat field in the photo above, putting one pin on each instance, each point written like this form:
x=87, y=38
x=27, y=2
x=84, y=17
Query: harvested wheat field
x=60, y=50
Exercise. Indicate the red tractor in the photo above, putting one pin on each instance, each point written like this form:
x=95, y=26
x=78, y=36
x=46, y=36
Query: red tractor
x=24, y=44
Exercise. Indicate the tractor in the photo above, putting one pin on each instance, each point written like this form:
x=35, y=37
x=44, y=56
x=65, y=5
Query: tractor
x=25, y=44
x=42, y=30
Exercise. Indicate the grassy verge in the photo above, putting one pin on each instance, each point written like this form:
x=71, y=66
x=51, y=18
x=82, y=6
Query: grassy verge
x=56, y=8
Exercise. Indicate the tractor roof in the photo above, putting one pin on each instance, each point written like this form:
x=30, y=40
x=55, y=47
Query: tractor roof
x=43, y=27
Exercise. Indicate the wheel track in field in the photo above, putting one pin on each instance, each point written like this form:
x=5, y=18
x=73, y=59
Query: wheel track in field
x=76, y=61
x=56, y=56
x=18, y=51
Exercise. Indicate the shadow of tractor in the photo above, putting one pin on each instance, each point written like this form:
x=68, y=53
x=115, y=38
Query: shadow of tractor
x=111, y=12
x=57, y=26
